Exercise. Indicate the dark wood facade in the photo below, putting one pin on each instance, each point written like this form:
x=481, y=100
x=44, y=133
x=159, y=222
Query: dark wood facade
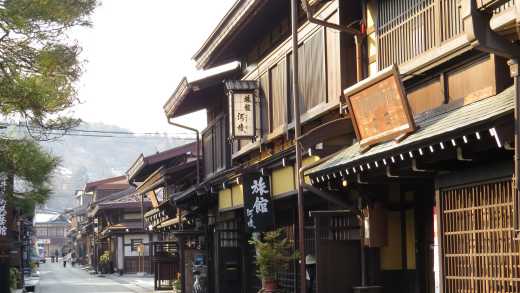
x=441, y=71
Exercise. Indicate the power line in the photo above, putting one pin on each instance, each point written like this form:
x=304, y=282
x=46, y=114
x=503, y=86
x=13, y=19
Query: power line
x=103, y=133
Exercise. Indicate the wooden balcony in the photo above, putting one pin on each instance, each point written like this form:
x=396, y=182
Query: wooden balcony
x=408, y=28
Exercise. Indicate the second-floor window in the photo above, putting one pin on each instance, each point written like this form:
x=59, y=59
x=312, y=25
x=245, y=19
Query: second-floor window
x=276, y=83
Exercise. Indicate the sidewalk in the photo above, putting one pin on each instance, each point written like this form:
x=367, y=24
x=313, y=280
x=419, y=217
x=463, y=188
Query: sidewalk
x=143, y=282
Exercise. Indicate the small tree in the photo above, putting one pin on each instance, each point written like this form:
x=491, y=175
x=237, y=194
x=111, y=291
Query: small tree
x=273, y=254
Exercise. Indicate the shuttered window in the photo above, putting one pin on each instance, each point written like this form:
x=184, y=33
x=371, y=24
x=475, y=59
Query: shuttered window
x=278, y=94
x=311, y=72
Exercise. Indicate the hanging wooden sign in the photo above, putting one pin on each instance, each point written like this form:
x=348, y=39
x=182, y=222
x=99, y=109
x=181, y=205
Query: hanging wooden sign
x=243, y=96
x=243, y=114
x=379, y=108
x=257, y=202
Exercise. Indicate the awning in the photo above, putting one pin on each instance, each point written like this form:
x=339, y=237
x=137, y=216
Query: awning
x=191, y=94
x=434, y=127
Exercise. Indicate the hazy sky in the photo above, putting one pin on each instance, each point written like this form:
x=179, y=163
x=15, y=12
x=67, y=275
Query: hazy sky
x=137, y=52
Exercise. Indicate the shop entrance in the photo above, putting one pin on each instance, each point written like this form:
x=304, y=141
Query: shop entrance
x=338, y=251
x=479, y=252
x=228, y=256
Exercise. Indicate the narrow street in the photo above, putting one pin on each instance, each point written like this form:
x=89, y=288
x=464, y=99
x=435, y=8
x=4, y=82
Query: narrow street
x=54, y=278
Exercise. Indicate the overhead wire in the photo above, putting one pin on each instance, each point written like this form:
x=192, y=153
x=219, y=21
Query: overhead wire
x=101, y=133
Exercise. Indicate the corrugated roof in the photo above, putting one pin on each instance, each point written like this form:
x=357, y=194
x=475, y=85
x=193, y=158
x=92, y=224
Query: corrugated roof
x=429, y=125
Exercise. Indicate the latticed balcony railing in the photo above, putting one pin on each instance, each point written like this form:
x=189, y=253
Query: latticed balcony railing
x=408, y=28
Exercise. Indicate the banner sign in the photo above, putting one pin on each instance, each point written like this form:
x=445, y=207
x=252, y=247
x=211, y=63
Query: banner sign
x=257, y=202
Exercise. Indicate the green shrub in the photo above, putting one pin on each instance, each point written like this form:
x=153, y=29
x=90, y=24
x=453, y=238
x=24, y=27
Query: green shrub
x=14, y=276
x=273, y=254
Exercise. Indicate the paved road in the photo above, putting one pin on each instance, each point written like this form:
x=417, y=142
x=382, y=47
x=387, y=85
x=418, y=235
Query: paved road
x=56, y=279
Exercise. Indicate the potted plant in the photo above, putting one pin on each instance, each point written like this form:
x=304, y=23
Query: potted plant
x=177, y=284
x=104, y=261
x=272, y=257
x=14, y=278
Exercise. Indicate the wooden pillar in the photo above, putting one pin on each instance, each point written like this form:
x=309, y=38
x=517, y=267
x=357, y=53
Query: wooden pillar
x=438, y=226
x=182, y=267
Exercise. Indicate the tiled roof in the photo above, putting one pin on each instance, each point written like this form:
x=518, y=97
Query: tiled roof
x=430, y=125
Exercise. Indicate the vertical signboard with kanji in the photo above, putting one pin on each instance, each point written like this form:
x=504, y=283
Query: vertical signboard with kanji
x=3, y=213
x=243, y=114
x=4, y=241
x=257, y=202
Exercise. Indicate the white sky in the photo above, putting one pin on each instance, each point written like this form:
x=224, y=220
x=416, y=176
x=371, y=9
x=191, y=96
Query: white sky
x=137, y=52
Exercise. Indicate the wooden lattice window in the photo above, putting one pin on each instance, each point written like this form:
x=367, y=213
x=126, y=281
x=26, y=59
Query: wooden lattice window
x=479, y=251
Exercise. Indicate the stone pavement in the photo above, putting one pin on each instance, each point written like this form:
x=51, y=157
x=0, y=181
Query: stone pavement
x=54, y=278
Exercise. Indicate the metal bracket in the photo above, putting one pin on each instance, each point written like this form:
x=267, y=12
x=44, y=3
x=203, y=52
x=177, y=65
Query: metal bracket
x=389, y=174
x=416, y=169
x=359, y=181
x=460, y=156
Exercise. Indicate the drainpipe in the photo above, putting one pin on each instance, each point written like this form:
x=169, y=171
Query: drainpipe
x=297, y=134
x=198, y=143
x=358, y=36
x=482, y=37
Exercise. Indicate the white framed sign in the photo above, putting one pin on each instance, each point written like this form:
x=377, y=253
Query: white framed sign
x=242, y=118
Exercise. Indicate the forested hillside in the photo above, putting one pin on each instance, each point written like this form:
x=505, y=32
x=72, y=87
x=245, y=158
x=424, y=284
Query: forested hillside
x=98, y=153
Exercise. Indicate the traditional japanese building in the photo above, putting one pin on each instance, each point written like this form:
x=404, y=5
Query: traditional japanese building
x=122, y=231
x=431, y=175
x=250, y=133
x=50, y=231
x=407, y=130
x=98, y=191
x=157, y=177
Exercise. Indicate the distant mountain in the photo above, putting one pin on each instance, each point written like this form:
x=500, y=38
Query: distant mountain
x=95, y=153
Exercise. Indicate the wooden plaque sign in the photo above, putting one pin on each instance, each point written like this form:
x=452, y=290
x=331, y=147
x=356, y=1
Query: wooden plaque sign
x=379, y=108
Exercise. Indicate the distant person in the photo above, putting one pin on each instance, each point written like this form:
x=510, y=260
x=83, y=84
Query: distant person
x=56, y=255
x=66, y=258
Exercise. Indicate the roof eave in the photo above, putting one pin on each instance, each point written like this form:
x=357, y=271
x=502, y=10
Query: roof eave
x=176, y=98
x=240, y=12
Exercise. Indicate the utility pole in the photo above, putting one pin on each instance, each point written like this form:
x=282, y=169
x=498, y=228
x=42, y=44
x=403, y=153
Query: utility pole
x=297, y=134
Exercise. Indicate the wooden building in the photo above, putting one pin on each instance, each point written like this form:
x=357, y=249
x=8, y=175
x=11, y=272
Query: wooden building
x=98, y=191
x=407, y=125
x=156, y=177
x=122, y=232
x=432, y=172
x=255, y=35
x=50, y=231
